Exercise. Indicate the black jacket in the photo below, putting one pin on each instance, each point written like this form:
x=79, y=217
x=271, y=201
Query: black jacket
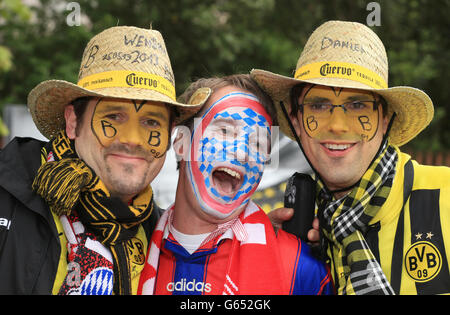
x=29, y=241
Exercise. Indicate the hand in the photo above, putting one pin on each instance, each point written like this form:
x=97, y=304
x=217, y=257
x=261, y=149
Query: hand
x=278, y=216
x=314, y=234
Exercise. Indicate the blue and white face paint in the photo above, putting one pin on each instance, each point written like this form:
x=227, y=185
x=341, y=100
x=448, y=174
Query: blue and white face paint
x=229, y=146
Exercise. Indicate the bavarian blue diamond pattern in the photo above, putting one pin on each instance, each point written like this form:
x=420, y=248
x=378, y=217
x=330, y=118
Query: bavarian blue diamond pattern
x=214, y=150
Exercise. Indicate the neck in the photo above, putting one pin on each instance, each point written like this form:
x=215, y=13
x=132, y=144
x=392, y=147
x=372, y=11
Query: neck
x=341, y=194
x=125, y=198
x=188, y=217
x=339, y=191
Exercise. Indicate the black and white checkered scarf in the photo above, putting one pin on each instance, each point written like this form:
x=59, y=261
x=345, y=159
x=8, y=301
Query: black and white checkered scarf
x=344, y=222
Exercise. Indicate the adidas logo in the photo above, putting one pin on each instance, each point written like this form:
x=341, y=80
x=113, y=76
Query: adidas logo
x=190, y=286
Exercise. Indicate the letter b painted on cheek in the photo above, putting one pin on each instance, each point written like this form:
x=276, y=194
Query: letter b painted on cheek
x=154, y=138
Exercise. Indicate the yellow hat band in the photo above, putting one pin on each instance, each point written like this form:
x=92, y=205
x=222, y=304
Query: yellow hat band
x=128, y=79
x=343, y=70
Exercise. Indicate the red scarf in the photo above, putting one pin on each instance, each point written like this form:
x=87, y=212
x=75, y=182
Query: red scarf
x=254, y=267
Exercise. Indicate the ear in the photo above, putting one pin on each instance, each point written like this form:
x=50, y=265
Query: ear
x=385, y=122
x=295, y=119
x=71, y=121
x=181, y=144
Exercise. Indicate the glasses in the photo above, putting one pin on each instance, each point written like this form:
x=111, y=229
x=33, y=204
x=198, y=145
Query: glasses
x=353, y=109
x=360, y=116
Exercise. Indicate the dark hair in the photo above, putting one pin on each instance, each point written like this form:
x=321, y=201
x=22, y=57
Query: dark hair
x=79, y=106
x=297, y=90
x=294, y=95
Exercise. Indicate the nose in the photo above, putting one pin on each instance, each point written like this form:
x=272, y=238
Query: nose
x=338, y=122
x=132, y=135
x=235, y=150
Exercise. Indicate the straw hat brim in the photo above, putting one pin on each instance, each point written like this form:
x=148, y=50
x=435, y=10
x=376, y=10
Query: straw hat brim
x=413, y=107
x=47, y=100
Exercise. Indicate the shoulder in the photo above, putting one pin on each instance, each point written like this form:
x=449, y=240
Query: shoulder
x=426, y=176
x=431, y=186
x=22, y=154
x=431, y=177
x=23, y=145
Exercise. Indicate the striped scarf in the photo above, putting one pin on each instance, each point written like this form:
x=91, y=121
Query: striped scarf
x=254, y=265
x=66, y=183
x=344, y=222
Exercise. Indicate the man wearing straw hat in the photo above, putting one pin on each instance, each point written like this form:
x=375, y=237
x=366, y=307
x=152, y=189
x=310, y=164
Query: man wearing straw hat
x=77, y=212
x=384, y=219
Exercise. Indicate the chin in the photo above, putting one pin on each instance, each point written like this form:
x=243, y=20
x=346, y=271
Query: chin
x=122, y=186
x=339, y=182
x=222, y=215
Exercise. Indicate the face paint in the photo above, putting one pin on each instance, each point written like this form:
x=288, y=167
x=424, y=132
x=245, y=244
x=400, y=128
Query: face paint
x=359, y=113
x=138, y=122
x=229, y=147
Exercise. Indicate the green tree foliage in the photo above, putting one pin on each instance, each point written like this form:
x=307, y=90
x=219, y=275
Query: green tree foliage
x=10, y=9
x=218, y=37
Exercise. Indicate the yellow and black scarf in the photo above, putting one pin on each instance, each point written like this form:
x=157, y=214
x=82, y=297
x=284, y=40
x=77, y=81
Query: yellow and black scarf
x=344, y=222
x=67, y=183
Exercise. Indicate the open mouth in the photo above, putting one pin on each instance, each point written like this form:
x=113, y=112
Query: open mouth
x=227, y=181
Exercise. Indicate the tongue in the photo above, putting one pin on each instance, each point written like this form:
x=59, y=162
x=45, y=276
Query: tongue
x=224, y=181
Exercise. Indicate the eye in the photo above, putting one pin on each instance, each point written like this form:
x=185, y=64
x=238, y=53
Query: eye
x=318, y=107
x=114, y=116
x=357, y=105
x=151, y=123
x=223, y=131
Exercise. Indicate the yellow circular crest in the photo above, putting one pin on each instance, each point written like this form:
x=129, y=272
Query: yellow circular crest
x=423, y=261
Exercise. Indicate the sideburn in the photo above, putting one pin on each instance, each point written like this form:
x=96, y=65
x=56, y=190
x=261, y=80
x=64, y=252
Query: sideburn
x=79, y=105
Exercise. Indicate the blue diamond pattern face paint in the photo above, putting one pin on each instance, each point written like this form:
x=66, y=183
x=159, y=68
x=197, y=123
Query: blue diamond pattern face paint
x=229, y=146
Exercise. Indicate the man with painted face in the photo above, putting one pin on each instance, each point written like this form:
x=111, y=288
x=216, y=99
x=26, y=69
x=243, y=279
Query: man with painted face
x=384, y=219
x=79, y=209
x=214, y=239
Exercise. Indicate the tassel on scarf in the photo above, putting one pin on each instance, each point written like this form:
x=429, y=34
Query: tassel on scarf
x=60, y=183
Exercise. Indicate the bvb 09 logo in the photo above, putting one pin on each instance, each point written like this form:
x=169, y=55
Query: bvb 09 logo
x=423, y=261
x=136, y=251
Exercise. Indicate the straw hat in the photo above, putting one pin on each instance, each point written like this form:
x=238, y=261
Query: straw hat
x=121, y=62
x=350, y=55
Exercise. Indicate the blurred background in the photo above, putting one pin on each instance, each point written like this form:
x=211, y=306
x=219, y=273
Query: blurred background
x=44, y=39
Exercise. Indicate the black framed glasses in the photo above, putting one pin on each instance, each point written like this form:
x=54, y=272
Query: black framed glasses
x=352, y=109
